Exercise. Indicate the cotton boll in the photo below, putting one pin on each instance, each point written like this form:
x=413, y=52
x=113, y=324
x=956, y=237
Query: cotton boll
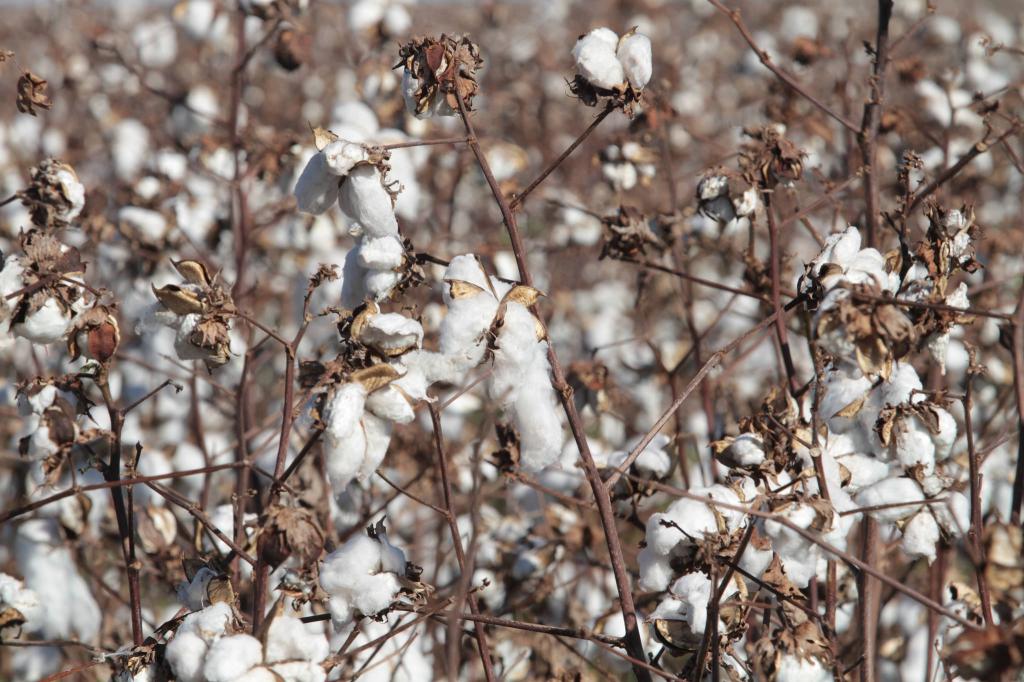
x=655, y=570
x=691, y=593
x=258, y=674
x=341, y=156
x=353, y=281
x=694, y=519
x=365, y=201
x=799, y=556
x=864, y=470
x=14, y=594
x=920, y=536
x=535, y=413
x=45, y=325
x=954, y=516
x=793, y=668
x=381, y=253
x=891, y=491
x=378, y=438
x=380, y=283
x=914, y=446
x=596, y=61
x=49, y=569
x=289, y=638
x=946, y=437
x=391, y=404
x=210, y=623
x=345, y=439
x=185, y=655
x=317, y=187
x=635, y=55
x=746, y=450
x=517, y=349
x=463, y=328
x=146, y=223
x=156, y=42
x=391, y=333
x=230, y=657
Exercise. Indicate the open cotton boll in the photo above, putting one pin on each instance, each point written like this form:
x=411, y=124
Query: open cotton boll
x=463, y=328
x=49, y=569
x=953, y=516
x=317, y=187
x=392, y=404
x=45, y=325
x=354, y=578
x=596, y=61
x=353, y=280
x=14, y=594
x=380, y=283
x=655, y=570
x=378, y=438
x=914, y=446
x=381, y=253
x=799, y=556
x=794, y=668
x=390, y=333
x=694, y=519
x=345, y=440
x=535, y=414
x=230, y=657
x=864, y=470
x=289, y=638
x=210, y=623
x=653, y=459
x=635, y=55
x=365, y=201
x=341, y=156
x=920, y=536
x=689, y=602
x=891, y=491
x=517, y=350
x=185, y=654
x=746, y=450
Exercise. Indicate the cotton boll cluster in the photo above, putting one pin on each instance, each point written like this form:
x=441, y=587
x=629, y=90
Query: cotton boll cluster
x=609, y=62
x=199, y=311
x=344, y=172
x=363, y=577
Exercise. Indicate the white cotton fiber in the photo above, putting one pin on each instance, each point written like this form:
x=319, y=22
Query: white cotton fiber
x=365, y=201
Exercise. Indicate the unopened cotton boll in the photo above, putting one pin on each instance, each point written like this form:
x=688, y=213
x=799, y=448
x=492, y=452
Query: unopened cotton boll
x=230, y=657
x=365, y=201
x=635, y=55
x=920, y=536
x=596, y=61
x=317, y=188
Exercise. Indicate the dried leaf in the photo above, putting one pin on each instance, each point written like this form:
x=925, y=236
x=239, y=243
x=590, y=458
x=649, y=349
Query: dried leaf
x=524, y=295
x=32, y=93
x=322, y=137
x=457, y=288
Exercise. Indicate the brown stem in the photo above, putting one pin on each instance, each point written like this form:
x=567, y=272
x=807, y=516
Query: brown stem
x=634, y=644
x=775, y=267
x=460, y=553
x=123, y=507
x=792, y=82
x=518, y=200
x=977, y=530
x=869, y=599
x=868, y=134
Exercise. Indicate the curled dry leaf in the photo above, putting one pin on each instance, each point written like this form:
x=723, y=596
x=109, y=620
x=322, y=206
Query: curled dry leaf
x=32, y=93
